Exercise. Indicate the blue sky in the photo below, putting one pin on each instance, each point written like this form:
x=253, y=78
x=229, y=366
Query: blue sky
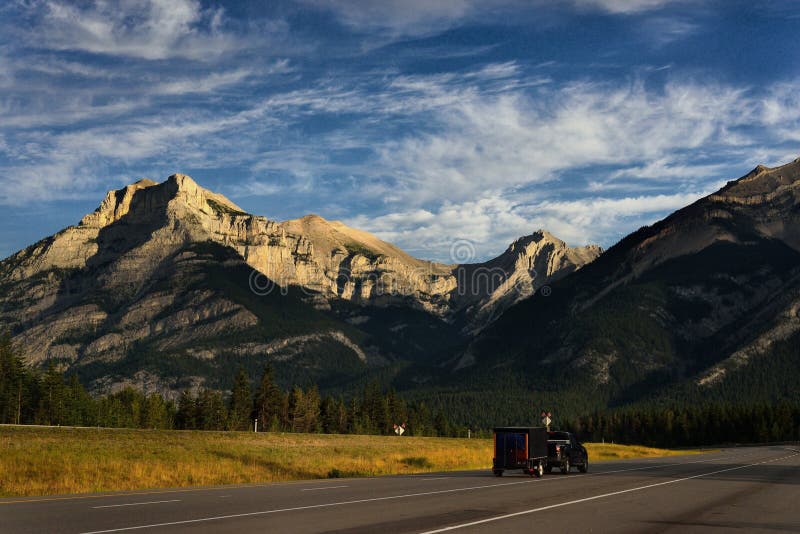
x=423, y=121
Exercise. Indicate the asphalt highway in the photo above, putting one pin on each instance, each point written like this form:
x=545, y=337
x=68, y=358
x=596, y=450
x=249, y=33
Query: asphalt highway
x=754, y=489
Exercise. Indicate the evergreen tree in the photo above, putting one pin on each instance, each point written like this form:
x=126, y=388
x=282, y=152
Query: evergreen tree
x=14, y=382
x=211, y=412
x=186, y=417
x=312, y=410
x=269, y=402
x=297, y=410
x=81, y=409
x=241, y=404
x=51, y=409
x=157, y=412
x=329, y=414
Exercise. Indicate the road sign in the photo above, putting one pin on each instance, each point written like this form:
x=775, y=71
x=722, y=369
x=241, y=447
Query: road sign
x=399, y=429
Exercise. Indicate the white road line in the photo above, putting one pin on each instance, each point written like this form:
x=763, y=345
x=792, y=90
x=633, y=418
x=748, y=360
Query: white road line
x=325, y=488
x=135, y=504
x=436, y=478
x=595, y=497
x=374, y=499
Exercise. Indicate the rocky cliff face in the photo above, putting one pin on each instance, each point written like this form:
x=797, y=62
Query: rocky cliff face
x=138, y=273
x=685, y=303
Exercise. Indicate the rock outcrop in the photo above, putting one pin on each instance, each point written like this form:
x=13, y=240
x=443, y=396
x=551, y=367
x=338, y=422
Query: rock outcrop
x=133, y=274
x=706, y=294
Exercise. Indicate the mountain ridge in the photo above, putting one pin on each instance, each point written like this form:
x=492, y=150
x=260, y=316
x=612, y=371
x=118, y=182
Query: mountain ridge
x=148, y=264
x=695, y=303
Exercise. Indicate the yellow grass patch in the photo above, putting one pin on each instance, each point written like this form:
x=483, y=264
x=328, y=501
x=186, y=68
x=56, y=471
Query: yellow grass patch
x=51, y=461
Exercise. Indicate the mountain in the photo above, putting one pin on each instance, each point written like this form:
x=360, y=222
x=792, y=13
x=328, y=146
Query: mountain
x=702, y=305
x=170, y=285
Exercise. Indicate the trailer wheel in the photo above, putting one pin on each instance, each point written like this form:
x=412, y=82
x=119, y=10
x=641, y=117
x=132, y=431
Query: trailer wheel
x=498, y=473
x=565, y=467
x=548, y=469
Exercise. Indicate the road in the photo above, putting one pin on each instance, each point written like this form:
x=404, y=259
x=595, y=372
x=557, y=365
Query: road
x=750, y=489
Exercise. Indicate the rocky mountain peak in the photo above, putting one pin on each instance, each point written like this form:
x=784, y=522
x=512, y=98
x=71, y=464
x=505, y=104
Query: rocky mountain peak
x=762, y=184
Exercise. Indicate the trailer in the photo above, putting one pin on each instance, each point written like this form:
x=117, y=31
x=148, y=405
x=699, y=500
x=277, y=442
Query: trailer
x=522, y=448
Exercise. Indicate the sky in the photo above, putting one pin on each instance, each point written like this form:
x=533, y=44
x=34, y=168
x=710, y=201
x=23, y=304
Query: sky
x=429, y=123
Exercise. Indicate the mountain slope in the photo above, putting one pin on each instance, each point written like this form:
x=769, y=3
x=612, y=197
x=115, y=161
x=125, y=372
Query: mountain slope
x=170, y=285
x=696, y=297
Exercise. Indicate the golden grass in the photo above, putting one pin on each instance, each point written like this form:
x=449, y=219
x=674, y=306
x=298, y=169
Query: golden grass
x=51, y=461
x=604, y=452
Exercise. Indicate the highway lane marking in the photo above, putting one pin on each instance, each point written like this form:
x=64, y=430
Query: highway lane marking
x=721, y=455
x=135, y=504
x=325, y=488
x=361, y=501
x=436, y=478
x=595, y=497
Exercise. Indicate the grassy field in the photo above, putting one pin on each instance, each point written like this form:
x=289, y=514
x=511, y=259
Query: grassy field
x=50, y=461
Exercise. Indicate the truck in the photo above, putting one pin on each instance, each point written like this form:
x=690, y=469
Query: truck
x=565, y=452
x=522, y=448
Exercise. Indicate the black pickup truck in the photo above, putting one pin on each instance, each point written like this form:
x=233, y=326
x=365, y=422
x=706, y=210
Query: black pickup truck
x=564, y=452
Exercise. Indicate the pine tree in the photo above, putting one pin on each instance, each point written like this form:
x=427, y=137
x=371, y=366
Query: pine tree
x=329, y=413
x=14, y=381
x=211, y=412
x=186, y=417
x=312, y=410
x=81, y=409
x=297, y=410
x=269, y=402
x=51, y=408
x=241, y=405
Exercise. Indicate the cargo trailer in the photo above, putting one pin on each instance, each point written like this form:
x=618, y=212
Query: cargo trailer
x=522, y=448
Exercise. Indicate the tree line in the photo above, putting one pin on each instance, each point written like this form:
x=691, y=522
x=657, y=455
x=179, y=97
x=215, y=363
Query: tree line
x=48, y=397
x=692, y=425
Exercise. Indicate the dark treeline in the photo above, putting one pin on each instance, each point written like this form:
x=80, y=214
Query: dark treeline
x=710, y=424
x=375, y=411
x=49, y=398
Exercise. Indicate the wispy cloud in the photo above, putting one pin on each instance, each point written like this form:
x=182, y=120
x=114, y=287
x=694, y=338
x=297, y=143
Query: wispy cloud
x=399, y=17
x=628, y=7
x=404, y=120
x=150, y=29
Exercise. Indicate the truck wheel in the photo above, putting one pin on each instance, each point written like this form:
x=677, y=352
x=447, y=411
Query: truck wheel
x=498, y=473
x=565, y=467
x=585, y=466
x=548, y=469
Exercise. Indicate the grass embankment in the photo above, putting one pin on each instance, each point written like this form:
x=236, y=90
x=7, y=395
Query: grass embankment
x=604, y=452
x=50, y=461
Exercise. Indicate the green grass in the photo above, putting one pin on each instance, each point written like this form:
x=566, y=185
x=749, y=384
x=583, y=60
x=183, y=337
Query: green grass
x=51, y=461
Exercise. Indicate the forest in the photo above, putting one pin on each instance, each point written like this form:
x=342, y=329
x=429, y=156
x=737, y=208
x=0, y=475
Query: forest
x=48, y=397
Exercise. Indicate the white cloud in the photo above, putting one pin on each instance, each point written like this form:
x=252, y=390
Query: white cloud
x=149, y=29
x=392, y=19
x=628, y=7
x=206, y=84
x=514, y=139
x=493, y=222
x=662, y=31
x=399, y=17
